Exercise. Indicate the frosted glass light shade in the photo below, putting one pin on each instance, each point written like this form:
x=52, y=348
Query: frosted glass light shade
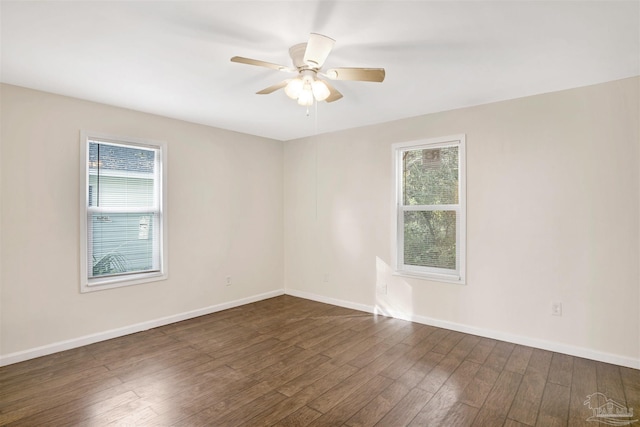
x=305, y=98
x=320, y=90
x=293, y=88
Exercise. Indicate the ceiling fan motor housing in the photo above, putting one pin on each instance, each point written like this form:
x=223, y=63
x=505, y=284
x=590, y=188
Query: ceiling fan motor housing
x=308, y=75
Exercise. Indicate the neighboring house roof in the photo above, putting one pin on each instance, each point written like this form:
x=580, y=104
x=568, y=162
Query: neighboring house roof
x=115, y=157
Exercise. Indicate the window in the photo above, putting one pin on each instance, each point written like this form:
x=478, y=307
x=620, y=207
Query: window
x=429, y=215
x=123, y=224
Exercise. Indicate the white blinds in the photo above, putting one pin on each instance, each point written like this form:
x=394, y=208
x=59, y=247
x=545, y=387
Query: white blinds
x=430, y=206
x=123, y=209
x=430, y=176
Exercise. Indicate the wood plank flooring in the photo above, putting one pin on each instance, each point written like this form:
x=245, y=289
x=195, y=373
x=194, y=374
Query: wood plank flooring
x=287, y=361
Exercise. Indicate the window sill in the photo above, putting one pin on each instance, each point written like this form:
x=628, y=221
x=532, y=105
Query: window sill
x=121, y=281
x=433, y=277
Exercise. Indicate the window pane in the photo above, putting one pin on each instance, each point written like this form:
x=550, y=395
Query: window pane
x=122, y=243
x=121, y=177
x=430, y=176
x=123, y=224
x=430, y=239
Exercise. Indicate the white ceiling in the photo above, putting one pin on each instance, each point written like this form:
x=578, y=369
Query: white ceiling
x=172, y=58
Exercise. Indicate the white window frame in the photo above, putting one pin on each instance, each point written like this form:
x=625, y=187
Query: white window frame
x=88, y=284
x=458, y=274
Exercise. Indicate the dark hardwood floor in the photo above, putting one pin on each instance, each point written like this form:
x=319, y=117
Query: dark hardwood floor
x=287, y=361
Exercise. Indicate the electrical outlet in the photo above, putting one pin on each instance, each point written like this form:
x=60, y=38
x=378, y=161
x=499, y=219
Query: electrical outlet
x=228, y=280
x=325, y=278
x=556, y=308
x=382, y=288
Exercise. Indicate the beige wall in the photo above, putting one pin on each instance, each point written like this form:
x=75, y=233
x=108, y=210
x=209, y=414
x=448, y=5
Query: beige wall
x=553, y=204
x=225, y=218
x=552, y=215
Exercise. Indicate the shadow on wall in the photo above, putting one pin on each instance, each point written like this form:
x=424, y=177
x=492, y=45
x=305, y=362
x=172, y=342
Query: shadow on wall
x=393, y=295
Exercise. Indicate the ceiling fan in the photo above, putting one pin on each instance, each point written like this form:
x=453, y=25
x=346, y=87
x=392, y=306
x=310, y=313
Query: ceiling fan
x=308, y=59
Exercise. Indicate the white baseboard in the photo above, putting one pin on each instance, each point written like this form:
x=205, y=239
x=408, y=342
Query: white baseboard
x=332, y=301
x=44, y=350
x=486, y=333
x=527, y=341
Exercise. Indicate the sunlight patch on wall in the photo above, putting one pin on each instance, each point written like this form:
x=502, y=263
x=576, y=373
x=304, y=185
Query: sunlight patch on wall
x=393, y=295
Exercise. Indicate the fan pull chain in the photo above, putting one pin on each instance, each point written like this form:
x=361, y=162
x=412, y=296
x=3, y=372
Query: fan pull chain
x=315, y=120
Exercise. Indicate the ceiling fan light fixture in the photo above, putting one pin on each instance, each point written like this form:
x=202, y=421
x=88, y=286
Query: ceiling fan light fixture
x=294, y=88
x=320, y=90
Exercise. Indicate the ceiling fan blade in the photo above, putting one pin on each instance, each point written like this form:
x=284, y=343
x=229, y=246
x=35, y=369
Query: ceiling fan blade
x=318, y=48
x=358, y=74
x=274, y=87
x=259, y=63
x=334, y=94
